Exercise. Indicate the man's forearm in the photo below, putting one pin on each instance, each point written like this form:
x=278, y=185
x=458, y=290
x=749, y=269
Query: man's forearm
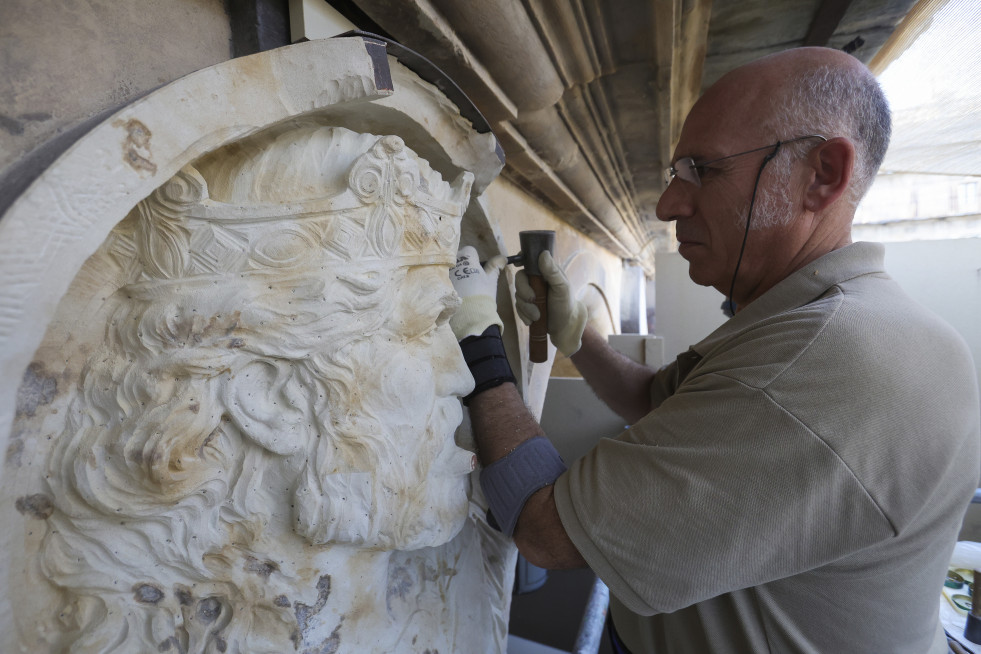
x=501, y=422
x=518, y=487
x=623, y=384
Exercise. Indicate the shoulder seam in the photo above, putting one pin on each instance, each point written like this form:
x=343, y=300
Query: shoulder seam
x=816, y=435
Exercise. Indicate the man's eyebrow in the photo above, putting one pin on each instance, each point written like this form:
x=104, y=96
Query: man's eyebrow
x=700, y=156
x=693, y=157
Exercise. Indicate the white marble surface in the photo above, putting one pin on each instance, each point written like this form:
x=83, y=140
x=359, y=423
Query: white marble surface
x=237, y=388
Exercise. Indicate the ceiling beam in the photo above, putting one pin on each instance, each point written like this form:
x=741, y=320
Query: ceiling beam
x=912, y=25
x=665, y=29
x=826, y=21
x=689, y=61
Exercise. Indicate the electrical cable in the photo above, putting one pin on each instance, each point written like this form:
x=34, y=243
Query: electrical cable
x=749, y=217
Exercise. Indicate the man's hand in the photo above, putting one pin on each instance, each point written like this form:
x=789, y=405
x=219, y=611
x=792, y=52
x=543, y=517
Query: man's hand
x=566, y=315
x=477, y=287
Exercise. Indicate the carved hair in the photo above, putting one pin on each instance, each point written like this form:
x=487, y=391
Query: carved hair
x=204, y=384
x=155, y=445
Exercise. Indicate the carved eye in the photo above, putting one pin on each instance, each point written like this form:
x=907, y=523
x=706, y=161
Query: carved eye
x=428, y=325
x=282, y=248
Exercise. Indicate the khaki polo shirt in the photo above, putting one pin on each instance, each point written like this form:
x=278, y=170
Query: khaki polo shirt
x=801, y=479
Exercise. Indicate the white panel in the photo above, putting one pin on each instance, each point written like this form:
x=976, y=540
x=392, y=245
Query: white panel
x=642, y=348
x=686, y=312
x=575, y=419
x=944, y=276
x=315, y=19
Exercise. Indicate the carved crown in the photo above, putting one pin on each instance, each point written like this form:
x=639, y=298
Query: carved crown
x=394, y=208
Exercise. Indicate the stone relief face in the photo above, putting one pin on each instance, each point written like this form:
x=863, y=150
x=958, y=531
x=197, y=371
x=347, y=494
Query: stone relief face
x=400, y=481
x=277, y=384
x=420, y=377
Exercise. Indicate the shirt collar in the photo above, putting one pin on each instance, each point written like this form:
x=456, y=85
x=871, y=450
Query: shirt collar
x=801, y=287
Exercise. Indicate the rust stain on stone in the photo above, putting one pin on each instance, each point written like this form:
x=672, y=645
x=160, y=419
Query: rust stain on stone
x=136, y=145
x=35, y=506
x=15, y=450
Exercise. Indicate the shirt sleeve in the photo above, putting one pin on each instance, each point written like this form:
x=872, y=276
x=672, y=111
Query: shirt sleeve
x=664, y=384
x=719, y=488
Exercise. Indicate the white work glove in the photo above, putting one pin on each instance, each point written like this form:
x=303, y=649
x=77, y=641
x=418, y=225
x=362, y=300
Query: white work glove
x=477, y=287
x=566, y=315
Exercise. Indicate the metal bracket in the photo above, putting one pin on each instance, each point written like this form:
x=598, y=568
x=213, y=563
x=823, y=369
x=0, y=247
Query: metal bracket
x=430, y=72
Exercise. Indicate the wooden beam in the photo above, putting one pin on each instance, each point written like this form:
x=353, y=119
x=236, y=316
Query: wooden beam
x=826, y=21
x=908, y=30
x=258, y=25
x=666, y=18
x=689, y=61
x=680, y=43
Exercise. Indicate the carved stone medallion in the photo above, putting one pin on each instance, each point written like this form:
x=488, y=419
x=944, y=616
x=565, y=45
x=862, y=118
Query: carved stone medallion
x=237, y=434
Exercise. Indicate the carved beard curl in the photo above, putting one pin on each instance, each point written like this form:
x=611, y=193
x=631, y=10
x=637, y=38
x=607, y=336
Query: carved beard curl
x=389, y=503
x=385, y=473
x=431, y=507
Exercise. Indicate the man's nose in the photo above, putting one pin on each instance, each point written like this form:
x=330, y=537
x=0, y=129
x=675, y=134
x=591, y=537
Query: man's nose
x=675, y=202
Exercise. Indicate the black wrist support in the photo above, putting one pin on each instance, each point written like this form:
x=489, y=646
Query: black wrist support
x=487, y=361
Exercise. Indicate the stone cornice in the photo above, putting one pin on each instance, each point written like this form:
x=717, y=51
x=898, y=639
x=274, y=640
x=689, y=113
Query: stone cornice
x=588, y=97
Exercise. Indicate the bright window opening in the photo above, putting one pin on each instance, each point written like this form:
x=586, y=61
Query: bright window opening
x=929, y=186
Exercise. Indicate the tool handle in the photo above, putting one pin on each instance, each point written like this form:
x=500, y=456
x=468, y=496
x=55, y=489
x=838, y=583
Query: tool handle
x=538, y=330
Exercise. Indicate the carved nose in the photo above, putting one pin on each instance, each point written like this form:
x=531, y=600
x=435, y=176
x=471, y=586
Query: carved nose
x=454, y=377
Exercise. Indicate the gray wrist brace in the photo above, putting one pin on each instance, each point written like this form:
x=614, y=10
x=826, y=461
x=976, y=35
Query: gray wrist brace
x=509, y=482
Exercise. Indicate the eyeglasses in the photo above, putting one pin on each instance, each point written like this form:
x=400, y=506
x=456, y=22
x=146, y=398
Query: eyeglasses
x=687, y=169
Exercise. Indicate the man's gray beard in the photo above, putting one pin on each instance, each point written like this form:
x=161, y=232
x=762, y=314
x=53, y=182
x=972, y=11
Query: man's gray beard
x=773, y=206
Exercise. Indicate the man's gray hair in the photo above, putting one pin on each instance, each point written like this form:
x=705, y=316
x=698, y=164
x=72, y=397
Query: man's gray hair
x=835, y=101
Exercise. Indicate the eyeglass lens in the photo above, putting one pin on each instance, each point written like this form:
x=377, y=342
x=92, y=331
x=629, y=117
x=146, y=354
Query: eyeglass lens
x=685, y=169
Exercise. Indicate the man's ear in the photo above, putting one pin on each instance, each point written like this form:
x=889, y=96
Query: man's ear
x=832, y=164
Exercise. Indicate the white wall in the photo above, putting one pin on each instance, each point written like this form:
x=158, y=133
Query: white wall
x=945, y=276
x=66, y=64
x=684, y=313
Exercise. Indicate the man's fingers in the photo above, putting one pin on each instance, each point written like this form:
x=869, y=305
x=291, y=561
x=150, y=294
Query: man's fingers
x=495, y=264
x=527, y=311
x=467, y=266
x=551, y=271
x=522, y=289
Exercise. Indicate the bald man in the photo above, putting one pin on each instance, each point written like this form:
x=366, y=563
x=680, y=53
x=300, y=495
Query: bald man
x=796, y=481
